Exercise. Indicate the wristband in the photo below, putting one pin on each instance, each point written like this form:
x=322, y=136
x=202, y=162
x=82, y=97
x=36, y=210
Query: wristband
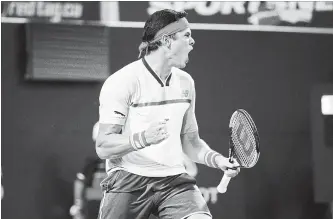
x=138, y=140
x=209, y=158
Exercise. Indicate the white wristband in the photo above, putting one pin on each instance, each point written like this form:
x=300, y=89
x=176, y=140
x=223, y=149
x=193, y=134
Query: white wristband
x=210, y=158
x=138, y=140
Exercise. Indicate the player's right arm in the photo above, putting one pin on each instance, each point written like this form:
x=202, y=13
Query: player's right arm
x=114, y=102
x=110, y=143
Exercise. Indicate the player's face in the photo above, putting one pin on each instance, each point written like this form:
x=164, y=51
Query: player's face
x=181, y=47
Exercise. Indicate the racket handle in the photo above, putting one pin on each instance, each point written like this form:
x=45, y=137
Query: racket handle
x=222, y=187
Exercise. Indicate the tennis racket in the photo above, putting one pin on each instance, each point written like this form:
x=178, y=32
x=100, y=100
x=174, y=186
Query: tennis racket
x=243, y=144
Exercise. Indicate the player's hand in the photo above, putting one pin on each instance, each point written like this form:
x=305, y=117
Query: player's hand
x=157, y=132
x=230, y=169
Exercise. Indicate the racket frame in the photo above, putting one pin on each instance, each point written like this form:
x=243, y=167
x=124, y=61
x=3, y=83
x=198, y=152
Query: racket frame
x=256, y=136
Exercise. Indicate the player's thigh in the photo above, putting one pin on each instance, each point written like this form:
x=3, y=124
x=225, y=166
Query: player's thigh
x=120, y=206
x=183, y=203
x=199, y=216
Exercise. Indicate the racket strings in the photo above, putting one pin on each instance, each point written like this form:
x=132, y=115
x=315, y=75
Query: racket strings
x=251, y=141
x=244, y=141
x=240, y=154
x=246, y=159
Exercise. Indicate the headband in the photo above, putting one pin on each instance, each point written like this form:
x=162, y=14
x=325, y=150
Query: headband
x=169, y=29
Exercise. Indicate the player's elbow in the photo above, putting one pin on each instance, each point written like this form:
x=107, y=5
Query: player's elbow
x=104, y=152
x=100, y=153
x=100, y=150
x=107, y=154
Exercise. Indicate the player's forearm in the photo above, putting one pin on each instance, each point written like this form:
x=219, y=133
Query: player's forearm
x=113, y=146
x=194, y=148
x=110, y=144
x=198, y=150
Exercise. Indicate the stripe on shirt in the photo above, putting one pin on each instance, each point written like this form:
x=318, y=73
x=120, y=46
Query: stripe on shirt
x=155, y=75
x=165, y=102
x=152, y=72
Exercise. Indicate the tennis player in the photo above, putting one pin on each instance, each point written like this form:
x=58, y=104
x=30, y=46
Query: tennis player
x=147, y=120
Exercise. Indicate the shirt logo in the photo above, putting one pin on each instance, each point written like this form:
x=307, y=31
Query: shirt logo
x=185, y=93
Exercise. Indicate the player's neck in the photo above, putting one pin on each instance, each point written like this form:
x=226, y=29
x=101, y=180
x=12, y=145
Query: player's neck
x=159, y=63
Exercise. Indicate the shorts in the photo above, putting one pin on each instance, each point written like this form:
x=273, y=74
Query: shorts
x=130, y=196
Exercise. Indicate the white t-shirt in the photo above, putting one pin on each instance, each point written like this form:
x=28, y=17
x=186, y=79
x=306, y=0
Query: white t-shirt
x=135, y=97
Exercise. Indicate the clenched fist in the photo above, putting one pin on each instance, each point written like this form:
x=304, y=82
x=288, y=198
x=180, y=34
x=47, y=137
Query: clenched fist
x=157, y=132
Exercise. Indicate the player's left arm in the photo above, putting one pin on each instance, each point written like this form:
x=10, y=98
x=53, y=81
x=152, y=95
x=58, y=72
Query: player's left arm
x=197, y=149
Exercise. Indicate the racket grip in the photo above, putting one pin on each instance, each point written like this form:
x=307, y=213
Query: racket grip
x=222, y=187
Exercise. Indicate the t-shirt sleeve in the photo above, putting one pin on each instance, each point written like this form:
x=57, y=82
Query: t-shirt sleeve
x=189, y=121
x=115, y=99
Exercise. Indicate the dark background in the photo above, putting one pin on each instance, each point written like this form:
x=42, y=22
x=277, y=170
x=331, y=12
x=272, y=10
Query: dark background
x=46, y=126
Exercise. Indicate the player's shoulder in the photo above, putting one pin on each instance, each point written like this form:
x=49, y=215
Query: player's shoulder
x=182, y=75
x=125, y=75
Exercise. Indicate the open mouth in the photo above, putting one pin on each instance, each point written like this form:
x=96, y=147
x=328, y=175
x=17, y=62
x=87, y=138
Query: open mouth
x=187, y=59
x=187, y=56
